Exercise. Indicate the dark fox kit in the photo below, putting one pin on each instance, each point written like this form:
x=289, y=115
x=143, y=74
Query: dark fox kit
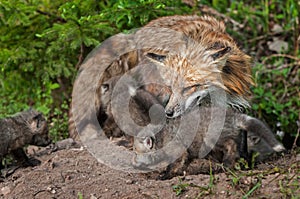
x=27, y=127
x=227, y=150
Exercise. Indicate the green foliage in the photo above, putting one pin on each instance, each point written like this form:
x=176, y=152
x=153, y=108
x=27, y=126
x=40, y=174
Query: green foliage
x=255, y=187
x=7, y=160
x=43, y=43
x=180, y=187
x=80, y=196
x=272, y=96
x=290, y=184
x=59, y=122
x=259, y=15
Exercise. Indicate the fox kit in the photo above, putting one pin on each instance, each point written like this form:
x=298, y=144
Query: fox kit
x=228, y=148
x=27, y=127
x=260, y=138
x=139, y=107
x=105, y=116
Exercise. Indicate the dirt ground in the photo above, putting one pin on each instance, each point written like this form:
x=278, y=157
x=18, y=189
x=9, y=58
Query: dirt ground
x=75, y=173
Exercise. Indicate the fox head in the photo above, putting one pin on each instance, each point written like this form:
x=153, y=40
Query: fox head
x=209, y=60
x=193, y=76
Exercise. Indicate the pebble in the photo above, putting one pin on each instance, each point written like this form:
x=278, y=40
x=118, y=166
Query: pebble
x=5, y=190
x=93, y=196
x=129, y=181
x=31, y=150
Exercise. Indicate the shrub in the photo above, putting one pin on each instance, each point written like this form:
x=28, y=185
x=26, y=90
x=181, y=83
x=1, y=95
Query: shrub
x=43, y=43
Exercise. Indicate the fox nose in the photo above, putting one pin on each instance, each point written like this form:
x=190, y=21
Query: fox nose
x=169, y=112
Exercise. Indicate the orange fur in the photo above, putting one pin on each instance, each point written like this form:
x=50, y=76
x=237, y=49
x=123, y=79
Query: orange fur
x=210, y=33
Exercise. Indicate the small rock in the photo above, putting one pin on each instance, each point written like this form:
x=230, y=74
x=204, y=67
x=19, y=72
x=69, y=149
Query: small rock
x=278, y=45
x=277, y=29
x=189, y=178
x=5, y=190
x=66, y=144
x=32, y=150
x=51, y=190
x=129, y=181
x=93, y=196
x=247, y=180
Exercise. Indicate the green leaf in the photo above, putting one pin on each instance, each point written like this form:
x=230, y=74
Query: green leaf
x=54, y=86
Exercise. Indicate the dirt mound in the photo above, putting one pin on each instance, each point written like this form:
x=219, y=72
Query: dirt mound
x=74, y=173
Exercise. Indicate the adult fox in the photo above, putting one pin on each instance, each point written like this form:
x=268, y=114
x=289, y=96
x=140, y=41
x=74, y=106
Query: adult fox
x=212, y=56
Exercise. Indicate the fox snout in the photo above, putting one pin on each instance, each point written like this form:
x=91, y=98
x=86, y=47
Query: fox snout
x=174, y=111
x=169, y=113
x=175, y=107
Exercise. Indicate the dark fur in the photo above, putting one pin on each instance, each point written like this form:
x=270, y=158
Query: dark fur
x=230, y=146
x=27, y=127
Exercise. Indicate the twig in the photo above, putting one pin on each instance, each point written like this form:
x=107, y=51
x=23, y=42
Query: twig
x=257, y=186
x=283, y=66
x=290, y=180
x=80, y=58
x=261, y=37
x=281, y=55
x=298, y=132
x=285, y=91
x=257, y=38
x=277, y=176
x=206, y=9
x=52, y=15
x=269, y=34
x=39, y=191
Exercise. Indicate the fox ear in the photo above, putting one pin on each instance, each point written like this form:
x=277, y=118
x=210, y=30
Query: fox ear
x=220, y=53
x=36, y=120
x=148, y=142
x=253, y=139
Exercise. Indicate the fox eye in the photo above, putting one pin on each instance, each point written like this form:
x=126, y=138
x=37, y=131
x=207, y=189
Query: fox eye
x=191, y=88
x=186, y=89
x=221, y=53
x=159, y=58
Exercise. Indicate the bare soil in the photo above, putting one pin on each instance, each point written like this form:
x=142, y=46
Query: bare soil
x=75, y=173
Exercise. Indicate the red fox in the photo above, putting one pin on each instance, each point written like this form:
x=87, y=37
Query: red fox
x=201, y=65
x=192, y=84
